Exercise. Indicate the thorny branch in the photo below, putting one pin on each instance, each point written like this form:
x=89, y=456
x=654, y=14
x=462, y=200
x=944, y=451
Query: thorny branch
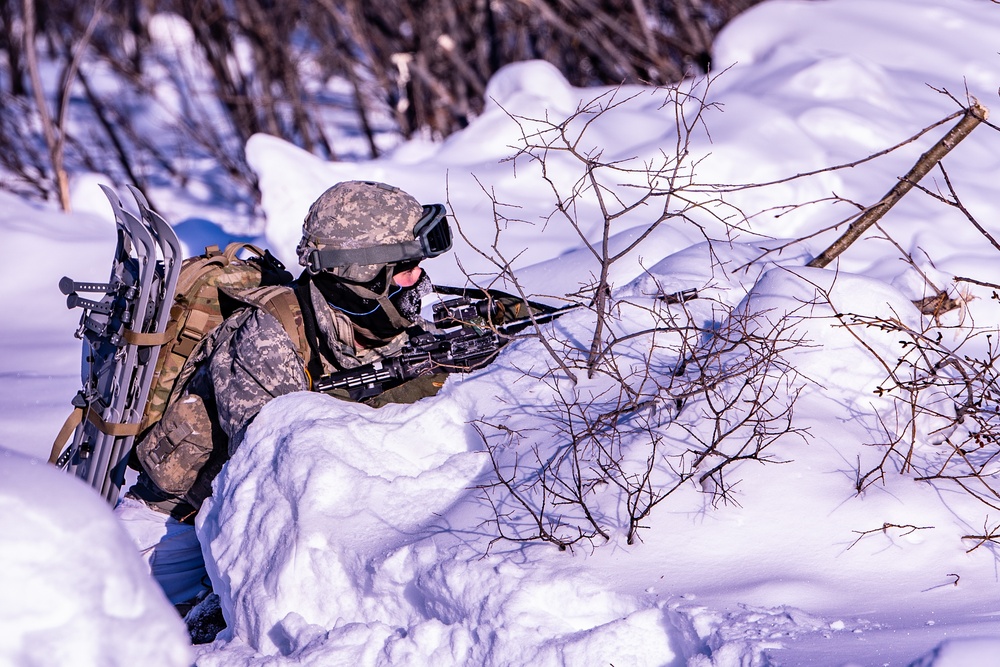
x=685, y=404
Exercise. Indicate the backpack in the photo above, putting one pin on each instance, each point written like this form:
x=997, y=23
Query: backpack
x=210, y=286
x=206, y=284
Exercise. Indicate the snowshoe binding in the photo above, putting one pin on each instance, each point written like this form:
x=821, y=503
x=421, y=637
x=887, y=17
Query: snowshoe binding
x=122, y=332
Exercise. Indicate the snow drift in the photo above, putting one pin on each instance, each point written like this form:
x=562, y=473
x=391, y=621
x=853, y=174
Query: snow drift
x=341, y=535
x=74, y=589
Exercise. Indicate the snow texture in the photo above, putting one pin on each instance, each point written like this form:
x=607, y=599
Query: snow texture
x=342, y=535
x=74, y=589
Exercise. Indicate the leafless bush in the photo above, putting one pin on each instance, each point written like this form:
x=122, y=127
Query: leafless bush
x=411, y=67
x=948, y=399
x=675, y=405
x=24, y=158
x=683, y=416
x=682, y=405
x=944, y=386
x=615, y=192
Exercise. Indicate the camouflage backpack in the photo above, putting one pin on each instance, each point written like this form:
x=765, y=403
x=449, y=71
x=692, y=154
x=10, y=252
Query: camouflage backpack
x=204, y=283
x=197, y=310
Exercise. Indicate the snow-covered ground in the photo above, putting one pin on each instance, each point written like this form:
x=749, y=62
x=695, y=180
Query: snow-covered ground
x=342, y=535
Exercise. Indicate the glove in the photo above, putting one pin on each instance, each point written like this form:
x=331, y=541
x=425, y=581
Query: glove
x=508, y=309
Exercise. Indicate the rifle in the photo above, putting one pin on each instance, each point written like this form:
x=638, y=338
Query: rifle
x=468, y=340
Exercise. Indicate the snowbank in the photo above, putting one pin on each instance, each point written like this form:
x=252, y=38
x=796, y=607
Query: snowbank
x=349, y=507
x=74, y=589
x=345, y=536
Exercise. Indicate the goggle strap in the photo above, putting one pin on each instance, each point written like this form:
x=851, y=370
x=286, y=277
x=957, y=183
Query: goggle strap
x=328, y=258
x=433, y=237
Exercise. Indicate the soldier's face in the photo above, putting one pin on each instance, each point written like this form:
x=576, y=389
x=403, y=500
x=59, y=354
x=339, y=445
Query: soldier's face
x=407, y=277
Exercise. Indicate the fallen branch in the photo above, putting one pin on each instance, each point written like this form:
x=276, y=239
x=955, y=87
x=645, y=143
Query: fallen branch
x=972, y=117
x=909, y=528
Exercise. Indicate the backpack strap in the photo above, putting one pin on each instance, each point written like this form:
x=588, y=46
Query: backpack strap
x=195, y=275
x=234, y=248
x=282, y=304
x=310, y=328
x=201, y=265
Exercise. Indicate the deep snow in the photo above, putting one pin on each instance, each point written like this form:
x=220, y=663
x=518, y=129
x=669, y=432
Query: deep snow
x=344, y=535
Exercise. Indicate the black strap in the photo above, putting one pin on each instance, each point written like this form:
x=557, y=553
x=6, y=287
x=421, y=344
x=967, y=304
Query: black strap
x=317, y=347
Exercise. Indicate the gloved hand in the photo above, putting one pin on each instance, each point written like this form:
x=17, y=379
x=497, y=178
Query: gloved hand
x=508, y=309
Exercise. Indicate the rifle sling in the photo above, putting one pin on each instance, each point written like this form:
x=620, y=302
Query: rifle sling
x=314, y=366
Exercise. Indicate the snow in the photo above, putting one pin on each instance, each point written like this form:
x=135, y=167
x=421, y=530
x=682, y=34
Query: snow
x=74, y=589
x=342, y=535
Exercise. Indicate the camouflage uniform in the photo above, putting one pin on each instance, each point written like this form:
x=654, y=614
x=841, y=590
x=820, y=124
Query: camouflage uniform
x=250, y=359
x=245, y=362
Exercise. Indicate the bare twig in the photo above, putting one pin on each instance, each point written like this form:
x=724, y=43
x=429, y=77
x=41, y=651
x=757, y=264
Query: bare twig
x=907, y=528
x=52, y=133
x=972, y=117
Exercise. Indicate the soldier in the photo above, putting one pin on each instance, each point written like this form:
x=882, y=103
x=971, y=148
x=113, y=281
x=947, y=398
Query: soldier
x=361, y=290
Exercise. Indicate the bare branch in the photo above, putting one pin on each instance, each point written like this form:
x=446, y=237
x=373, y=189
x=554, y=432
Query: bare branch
x=972, y=117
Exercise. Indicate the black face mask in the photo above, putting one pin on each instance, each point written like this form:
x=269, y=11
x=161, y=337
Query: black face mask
x=374, y=325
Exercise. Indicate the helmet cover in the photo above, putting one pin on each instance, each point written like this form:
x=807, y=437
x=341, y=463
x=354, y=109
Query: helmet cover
x=358, y=214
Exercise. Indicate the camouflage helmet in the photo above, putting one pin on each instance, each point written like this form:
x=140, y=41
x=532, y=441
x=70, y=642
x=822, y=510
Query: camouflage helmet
x=354, y=216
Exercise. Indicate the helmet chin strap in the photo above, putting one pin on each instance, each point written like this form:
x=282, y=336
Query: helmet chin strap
x=395, y=318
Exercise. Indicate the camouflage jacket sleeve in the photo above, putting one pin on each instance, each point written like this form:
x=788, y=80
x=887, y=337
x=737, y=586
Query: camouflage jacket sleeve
x=253, y=364
x=243, y=364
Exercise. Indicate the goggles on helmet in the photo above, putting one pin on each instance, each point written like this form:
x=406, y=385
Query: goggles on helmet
x=432, y=237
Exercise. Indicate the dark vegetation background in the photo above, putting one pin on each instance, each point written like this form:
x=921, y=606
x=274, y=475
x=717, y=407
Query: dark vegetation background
x=402, y=69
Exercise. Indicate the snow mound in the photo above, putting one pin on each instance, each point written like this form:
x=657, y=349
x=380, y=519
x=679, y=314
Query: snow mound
x=316, y=493
x=348, y=513
x=74, y=589
x=525, y=86
x=960, y=653
x=807, y=309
